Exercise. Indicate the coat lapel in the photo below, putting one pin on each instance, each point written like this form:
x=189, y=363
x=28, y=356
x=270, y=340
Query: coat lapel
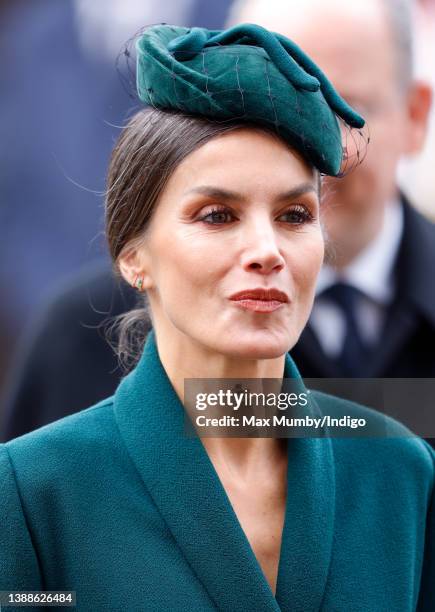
x=309, y=352
x=401, y=323
x=414, y=303
x=309, y=524
x=186, y=488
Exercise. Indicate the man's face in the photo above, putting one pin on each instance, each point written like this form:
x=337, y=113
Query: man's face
x=362, y=68
x=357, y=54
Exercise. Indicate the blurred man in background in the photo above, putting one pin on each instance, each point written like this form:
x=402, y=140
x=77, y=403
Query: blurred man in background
x=374, y=313
x=415, y=170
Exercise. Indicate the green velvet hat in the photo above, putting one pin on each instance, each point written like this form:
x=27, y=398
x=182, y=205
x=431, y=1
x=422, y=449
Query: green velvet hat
x=246, y=73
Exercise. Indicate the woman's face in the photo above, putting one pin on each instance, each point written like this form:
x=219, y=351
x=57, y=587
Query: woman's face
x=239, y=213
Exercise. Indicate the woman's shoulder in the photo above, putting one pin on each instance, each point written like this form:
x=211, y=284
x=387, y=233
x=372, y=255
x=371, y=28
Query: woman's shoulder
x=74, y=425
x=374, y=437
x=64, y=446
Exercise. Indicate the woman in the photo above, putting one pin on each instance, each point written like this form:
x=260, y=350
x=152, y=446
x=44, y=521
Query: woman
x=213, y=215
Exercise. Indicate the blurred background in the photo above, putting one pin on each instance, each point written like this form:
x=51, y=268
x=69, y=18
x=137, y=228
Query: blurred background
x=62, y=104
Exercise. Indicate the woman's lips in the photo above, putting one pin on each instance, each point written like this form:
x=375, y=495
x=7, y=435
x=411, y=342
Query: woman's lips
x=260, y=299
x=258, y=305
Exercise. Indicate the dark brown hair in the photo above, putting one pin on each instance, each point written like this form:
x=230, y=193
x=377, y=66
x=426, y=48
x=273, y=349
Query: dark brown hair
x=148, y=151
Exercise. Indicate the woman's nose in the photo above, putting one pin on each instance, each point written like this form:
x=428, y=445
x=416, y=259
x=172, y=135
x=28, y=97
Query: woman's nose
x=260, y=248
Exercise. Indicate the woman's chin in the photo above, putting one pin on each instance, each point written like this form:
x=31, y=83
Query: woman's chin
x=266, y=346
x=261, y=353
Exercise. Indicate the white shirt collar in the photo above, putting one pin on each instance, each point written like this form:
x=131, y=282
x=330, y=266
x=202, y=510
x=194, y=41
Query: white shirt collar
x=372, y=270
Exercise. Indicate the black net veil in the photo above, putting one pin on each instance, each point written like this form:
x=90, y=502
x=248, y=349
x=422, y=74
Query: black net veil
x=353, y=141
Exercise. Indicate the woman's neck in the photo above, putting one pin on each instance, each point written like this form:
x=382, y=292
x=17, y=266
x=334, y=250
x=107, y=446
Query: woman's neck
x=184, y=358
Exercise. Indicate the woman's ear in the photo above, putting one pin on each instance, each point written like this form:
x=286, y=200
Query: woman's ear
x=133, y=264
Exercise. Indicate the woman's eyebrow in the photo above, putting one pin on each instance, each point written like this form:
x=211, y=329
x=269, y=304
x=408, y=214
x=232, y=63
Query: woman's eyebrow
x=217, y=192
x=296, y=192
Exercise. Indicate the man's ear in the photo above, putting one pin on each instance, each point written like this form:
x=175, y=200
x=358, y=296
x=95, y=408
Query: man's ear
x=419, y=105
x=133, y=263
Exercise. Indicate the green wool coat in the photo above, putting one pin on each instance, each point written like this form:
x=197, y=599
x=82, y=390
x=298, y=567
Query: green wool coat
x=117, y=504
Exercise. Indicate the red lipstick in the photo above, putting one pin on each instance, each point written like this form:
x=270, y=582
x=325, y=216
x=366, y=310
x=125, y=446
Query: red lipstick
x=260, y=299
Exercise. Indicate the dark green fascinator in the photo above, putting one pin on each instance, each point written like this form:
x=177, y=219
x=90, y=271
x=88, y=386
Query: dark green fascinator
x=246, y=73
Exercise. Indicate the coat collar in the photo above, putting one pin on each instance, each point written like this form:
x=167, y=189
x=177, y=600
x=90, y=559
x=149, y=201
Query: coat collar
x=415, y=262
x=414, y=302
x=185, y=487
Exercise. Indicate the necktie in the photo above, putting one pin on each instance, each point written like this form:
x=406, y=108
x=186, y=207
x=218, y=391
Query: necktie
x=354, y=352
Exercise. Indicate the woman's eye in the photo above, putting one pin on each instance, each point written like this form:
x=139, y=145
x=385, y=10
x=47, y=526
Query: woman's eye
x=217, y=216
x=297, y=215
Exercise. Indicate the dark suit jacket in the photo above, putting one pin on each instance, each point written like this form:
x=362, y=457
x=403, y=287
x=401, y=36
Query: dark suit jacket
x=68, y=365
x=129, y=512
x=407, y=345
